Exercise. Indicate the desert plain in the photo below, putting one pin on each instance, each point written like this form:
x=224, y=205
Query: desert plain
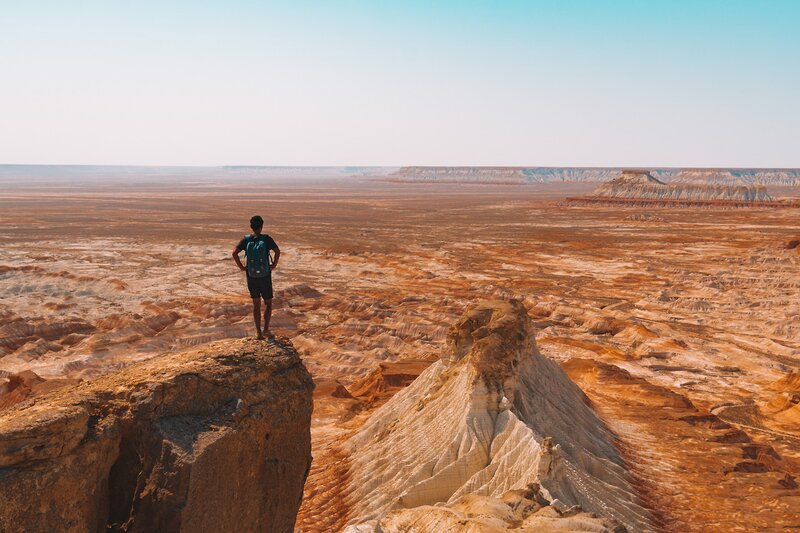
x=681, y=326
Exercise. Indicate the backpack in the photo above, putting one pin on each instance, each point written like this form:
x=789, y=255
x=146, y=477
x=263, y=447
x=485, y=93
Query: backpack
x=257, y=256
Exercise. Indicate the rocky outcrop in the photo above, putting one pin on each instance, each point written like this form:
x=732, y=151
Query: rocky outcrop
x=211, y=439
x=491, y=416
x=522, y=511
x=640, y=184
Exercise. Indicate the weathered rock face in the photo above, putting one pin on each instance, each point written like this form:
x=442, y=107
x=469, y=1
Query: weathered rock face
x=508, y=175
x=521, y=511
x=491, y=416
x=641, y=184
x=212, y=439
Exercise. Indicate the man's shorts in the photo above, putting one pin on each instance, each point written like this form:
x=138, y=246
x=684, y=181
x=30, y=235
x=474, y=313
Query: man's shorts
x=260, y=287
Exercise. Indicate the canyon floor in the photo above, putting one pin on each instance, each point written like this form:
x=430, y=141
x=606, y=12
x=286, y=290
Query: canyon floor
x=681, y=326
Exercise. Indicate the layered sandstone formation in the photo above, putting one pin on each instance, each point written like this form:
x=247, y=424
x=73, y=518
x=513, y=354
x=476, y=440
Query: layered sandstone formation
x=640, y=184
x=491, y=416
x=519, y=175
x=210, y=439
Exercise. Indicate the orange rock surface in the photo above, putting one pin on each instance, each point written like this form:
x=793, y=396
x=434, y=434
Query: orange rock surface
x=215, y=438
x=681, y=327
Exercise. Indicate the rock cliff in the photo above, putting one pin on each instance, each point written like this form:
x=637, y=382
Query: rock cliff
x=211, y=439
x=641, y=184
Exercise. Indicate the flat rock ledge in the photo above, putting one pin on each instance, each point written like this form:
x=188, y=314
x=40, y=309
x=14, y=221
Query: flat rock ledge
x=215, y=438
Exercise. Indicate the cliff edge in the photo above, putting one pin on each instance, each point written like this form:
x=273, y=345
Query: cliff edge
x=210, y=439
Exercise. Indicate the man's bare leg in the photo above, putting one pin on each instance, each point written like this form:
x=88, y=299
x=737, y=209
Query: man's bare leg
x=257, y=317
x=267, y=316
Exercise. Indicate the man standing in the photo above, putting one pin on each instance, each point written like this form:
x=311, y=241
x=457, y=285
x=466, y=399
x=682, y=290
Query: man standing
x=256, y=247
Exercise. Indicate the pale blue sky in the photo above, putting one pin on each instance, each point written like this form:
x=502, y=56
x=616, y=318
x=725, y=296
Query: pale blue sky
x=560, y=82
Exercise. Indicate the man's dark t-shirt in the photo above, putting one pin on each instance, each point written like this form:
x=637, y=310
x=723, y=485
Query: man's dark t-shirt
x=268, y=241
x=259, y=287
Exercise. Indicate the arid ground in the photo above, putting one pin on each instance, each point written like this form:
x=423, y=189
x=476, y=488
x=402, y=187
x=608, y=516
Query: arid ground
x=681, y=326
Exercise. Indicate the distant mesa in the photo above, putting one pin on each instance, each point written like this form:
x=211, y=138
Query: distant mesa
x=498, y=175
x=638, y=187
x=532, y=175
x=642, y=184
x=636, y=176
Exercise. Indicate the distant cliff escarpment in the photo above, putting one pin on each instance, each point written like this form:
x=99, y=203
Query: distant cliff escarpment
x=212, y=439
x=523, y=175
x=500, y=175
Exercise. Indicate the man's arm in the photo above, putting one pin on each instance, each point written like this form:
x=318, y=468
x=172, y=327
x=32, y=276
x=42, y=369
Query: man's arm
x=274, y=264
x=236, y=258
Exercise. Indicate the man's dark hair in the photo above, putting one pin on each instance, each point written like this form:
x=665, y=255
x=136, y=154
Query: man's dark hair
x=256, y=223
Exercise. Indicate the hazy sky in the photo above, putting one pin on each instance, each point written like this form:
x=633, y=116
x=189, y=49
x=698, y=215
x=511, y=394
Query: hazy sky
x=560, y=82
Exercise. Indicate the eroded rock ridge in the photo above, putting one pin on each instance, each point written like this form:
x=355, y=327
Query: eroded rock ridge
x=642, y=184
x=521, y=175
x=491, y=417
